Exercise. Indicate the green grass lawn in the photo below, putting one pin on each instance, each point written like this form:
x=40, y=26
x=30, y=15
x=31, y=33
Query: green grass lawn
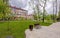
x=17, y=28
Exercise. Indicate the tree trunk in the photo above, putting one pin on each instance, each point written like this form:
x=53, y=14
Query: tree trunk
x=56, y=11
x=53, y=13
x=44, y=10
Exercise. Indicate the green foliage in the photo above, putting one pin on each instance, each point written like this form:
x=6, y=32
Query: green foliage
x=1, y=15
x=35, y=17
x=48, y=17
x=4, y=9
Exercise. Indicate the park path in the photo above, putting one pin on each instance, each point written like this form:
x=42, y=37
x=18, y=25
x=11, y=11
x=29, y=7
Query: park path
x=52, y=31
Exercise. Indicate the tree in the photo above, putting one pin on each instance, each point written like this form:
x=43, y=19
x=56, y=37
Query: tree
x=59, y=12
x=53, y=13
x=33, y=6
x=56, y=10
x=4, y=9
x=36, y=8
x=44, y=5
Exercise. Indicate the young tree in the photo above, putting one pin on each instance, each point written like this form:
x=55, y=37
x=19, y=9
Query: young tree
x=56, y=10
x=44, y=5
x=33, y=6
x=59, y=11
x=36, y=8
x=53, y=13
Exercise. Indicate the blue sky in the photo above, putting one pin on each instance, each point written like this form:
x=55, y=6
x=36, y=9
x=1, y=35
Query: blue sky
x=24, y=4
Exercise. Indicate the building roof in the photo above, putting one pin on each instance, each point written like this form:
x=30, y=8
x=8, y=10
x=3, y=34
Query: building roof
x=17, y=8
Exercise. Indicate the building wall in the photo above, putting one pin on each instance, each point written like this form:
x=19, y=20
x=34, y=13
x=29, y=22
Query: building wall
x=30, y=17
x=20, y=13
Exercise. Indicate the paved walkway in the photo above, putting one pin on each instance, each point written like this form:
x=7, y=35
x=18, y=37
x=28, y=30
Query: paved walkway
x=52, y=31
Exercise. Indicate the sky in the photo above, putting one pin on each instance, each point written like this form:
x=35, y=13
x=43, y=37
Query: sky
x=25, y=5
